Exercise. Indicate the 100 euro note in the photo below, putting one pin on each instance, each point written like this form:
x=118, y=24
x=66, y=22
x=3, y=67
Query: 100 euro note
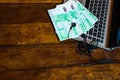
x=71, y=12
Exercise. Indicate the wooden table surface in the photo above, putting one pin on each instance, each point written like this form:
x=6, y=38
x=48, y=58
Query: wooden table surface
x=30, y=49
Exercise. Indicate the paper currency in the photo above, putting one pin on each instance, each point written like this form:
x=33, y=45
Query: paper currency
x=71, y=12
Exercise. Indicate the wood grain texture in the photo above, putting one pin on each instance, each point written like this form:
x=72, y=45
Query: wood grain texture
x=31, y=1
x=30, y=49
x=22, y=24
x=49, y=56
x=24, y=34
x=94, y=72
x=99, y=72
x=12, y=13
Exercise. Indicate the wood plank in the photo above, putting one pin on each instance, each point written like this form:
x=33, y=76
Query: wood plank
x=22, y=24
x=97, y=72
x=94, y=72
x=24, y=34
x=31, y=1
x=24, y=13
x=48, y=56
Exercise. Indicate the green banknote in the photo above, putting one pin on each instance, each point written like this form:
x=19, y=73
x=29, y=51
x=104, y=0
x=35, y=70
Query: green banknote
x=71, y=12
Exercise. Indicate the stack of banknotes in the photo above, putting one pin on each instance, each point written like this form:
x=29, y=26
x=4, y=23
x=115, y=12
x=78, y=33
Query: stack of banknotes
x=63, y=16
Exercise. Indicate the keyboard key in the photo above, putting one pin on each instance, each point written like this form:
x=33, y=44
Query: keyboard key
x=101, y=41
x=87, y=32
x=94, y=34
x=94, y=11
x=99, y=5
x=100, y=29
x=102, y=14
x=91, y=5
x=103, y=5
x=93, y=39
x=95, y=4
x=90, y=8
x=102, y=37
x=100, y=26
x=91, y=31
x=101, y=18
x=98, y=15
x=95, y=30
x=89, y=37
x=99, y=35
x=102, y=34
x=101, y=21
x=98, y=12
x=104, y=23
x=103, y=30
x=104, y=1
x=96, y=1
x=98, y=40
